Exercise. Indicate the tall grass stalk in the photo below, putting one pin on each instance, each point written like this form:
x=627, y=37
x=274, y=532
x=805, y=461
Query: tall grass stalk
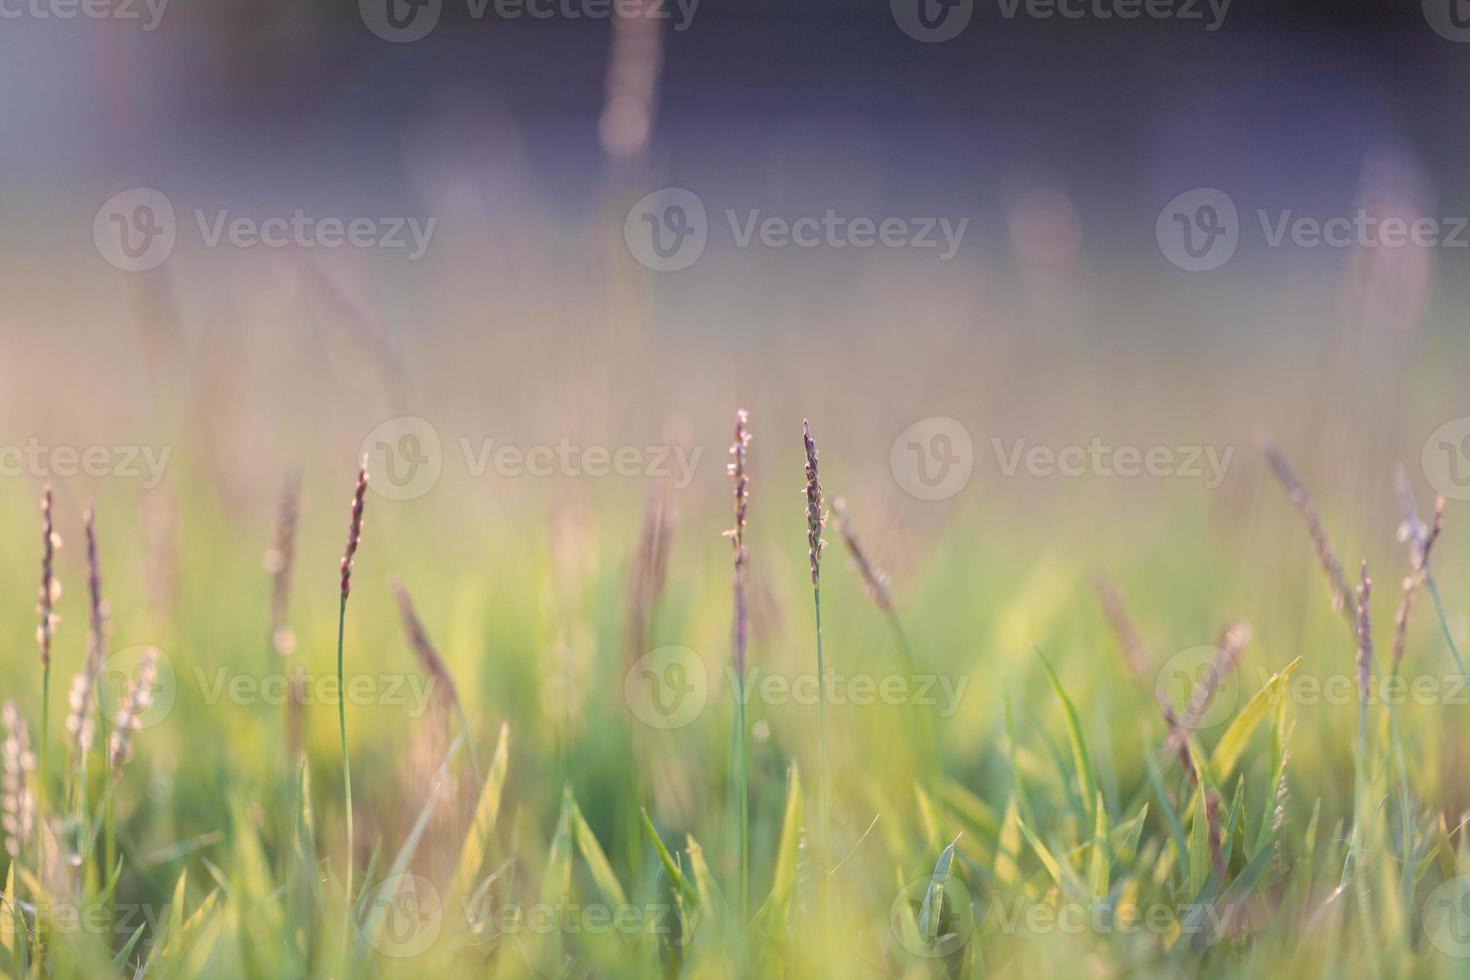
x=740, y=631
x=876, y=582
x=50, y=591
x=1361, y=803
x=354, y=537
x=1422, y=539
x=815, y=519
x=1342, y=595
x=79, y=724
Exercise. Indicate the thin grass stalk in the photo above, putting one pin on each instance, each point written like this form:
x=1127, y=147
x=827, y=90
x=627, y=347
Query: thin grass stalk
x=1361, y=803
x=1176, y=744
x=280, y=564
x=1421, y=539
x=650, y=566
x=1226, y=658
x=80, y=725
x=50, y=591
x=815, y=520
x=1135, y=653
x=1327, y=558
x=135, y=698
x=445, y=691
x=876, y=582
x=1421, y=544
x=740, y=631
x=354, y=538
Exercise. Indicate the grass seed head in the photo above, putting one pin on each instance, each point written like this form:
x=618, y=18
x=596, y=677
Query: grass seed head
x=430, y=662
x=650, y=567
x=50, y=590
x=17, y=762
x=280, y=561
x=815, y=518
x=354, y=528
x=740, y=479
x=1326, y=557
x=1421, y=542
x=874, y=577
x=79, y=724
x=136, y=698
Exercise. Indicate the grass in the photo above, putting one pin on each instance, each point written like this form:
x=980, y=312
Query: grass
x=1056, y=818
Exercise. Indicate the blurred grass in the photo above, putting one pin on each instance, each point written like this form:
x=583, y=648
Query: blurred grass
x=529, y=614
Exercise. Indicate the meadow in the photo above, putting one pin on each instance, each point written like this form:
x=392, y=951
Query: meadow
x=1016, y=761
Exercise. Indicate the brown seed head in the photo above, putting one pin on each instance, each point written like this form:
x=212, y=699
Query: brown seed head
x=50, y=589
x=354, y=528
x=740, y=478
x=1326, y=557
x=874, y=577
x=428, y=657
x=815, y=519
x=97, y=610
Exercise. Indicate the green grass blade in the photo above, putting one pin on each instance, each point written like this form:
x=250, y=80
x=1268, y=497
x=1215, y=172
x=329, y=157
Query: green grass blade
x=482, y=827
x=931, y=910
x=1086, y=781
x=1233, y=742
